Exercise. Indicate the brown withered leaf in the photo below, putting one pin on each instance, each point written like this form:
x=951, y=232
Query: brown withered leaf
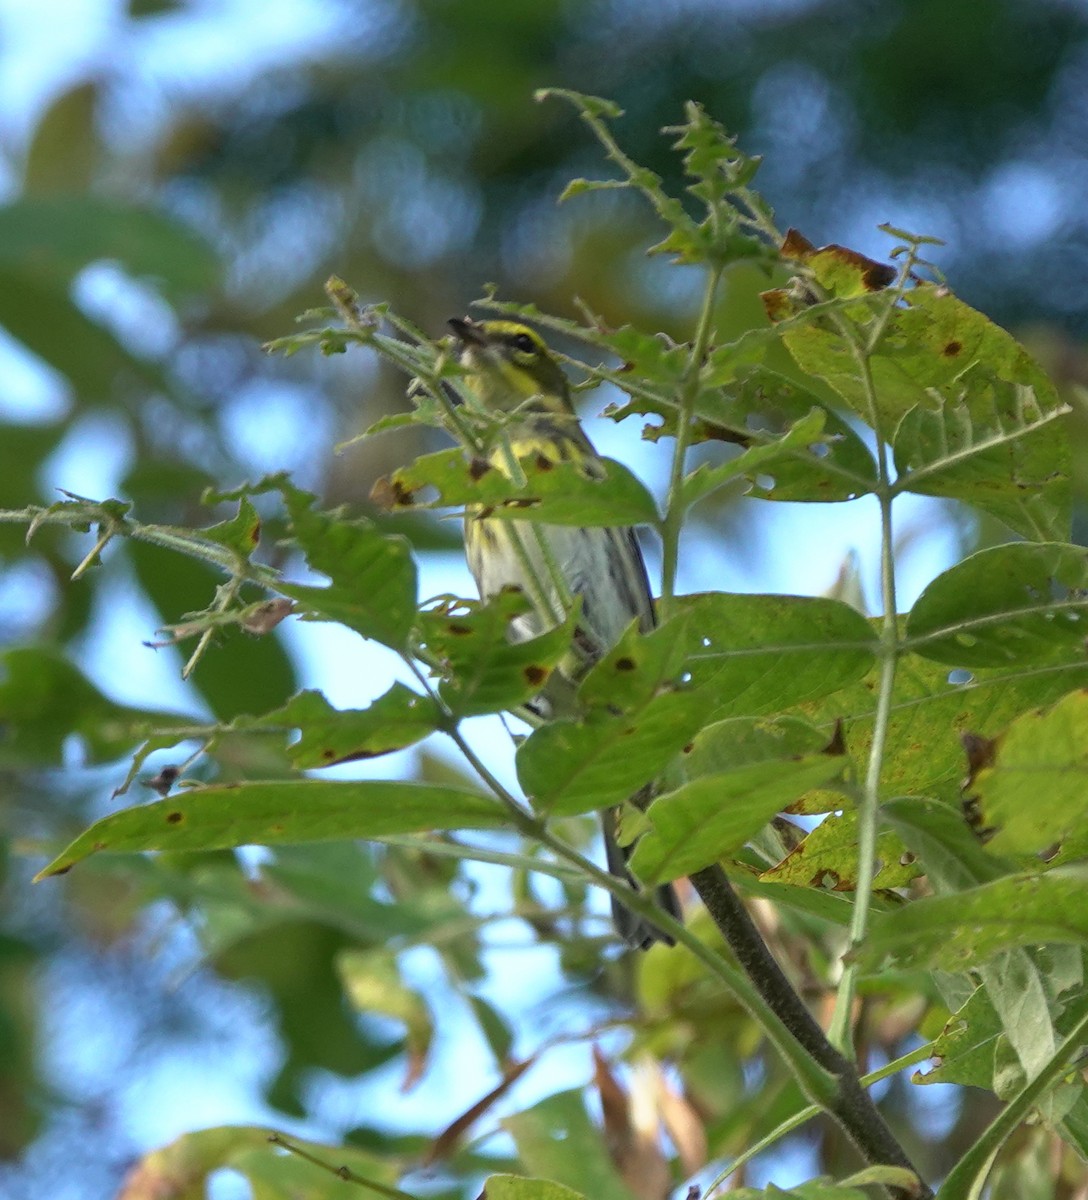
x=874, y=275
x=634, y=1146
x=446, y=1142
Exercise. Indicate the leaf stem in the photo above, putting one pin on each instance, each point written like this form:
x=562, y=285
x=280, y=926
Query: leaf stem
x=689, y=392
x=811, y=1110
x=888, y=652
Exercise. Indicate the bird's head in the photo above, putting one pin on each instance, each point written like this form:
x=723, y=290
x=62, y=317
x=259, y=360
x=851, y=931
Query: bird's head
x=509, y=364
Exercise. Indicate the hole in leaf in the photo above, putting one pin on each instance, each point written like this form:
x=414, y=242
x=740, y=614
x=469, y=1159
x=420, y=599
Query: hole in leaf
x=958, y=677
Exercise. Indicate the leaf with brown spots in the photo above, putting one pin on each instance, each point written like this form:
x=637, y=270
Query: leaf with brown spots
x=992, y=433
x=485, y=671
x=282, y=811
x=828, y=858
x=839, y=270
x=560, y=493
x=397, y=719
x=242, y=533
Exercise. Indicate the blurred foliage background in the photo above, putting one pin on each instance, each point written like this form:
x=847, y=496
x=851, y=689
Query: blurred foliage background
x=178, y=180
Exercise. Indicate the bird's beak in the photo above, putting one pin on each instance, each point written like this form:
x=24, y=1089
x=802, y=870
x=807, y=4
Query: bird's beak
x=467, y=331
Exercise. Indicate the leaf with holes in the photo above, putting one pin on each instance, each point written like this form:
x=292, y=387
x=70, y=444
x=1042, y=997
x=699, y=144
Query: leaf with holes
x=999, y=445
x=751, y=655
x=484, y=670
x=637, y=717
x=933, y=347
x=372, y=575
x=828, y=858
x=932, y=709
x=1022, y=603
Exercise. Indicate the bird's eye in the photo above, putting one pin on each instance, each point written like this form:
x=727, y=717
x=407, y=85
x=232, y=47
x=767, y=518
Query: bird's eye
x=524, y=343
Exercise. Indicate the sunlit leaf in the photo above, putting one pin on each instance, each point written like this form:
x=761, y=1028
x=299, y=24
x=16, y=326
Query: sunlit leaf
x=1035, y=791
x=1019, y=603
x=552, y=490
x=372, y=574
x=257, y=813
x=998, y=445
x=714, y=815
x=828, y=858
x=398, y=718
x=486, y=670
x=374, y=984
x=517, y=1187
x=932, y=708
x=958, y=931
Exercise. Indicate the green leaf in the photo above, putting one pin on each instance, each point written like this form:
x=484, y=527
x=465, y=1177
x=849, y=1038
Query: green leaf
x=936, y=833
x=999, y=446
x=555, y=492
x=40, y=314
x=241, y=533
x=57, y=236
x=373, y=575
x=739, y=740
x=966, y=1048
x=517, y=1187
x=397, y=719
x=751, y=655
x=638, y=667
x=933, y=346
x=713, y=816
x=486, y=672
x=758, y=459
x=1035, y=793
x=584, y=1165
x=568, y=767
x=64, y=153
x=268, y=814
x=828, y=858
x=931, y=710
x=958, y=931
x=635, y=723
x=44, y=701
x=1019, y=603
x=181, y=1169
x=373, y=983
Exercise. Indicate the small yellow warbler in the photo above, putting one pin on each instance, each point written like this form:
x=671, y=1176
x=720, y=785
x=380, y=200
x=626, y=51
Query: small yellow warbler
x=511, y=372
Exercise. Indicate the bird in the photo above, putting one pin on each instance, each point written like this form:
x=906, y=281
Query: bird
x=511, y=372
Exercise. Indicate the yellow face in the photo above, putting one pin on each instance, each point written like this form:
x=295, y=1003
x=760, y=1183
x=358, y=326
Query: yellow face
x=510, y=364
